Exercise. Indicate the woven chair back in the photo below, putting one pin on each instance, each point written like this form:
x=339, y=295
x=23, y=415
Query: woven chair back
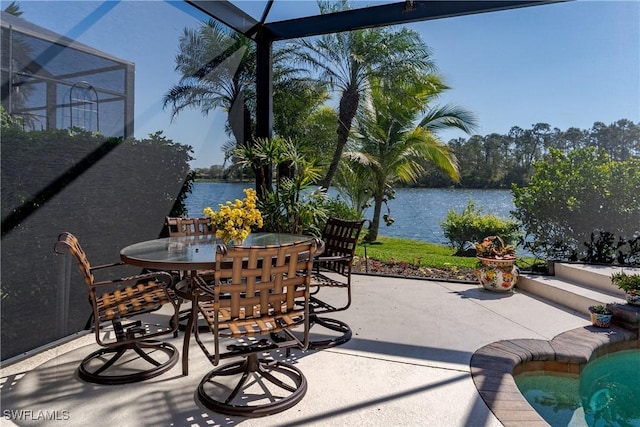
x=189, y=226
x=70, y=241
x=340, y=238
x=259, y=283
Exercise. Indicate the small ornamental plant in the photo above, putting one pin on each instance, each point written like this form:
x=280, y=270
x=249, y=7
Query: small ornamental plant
x=494, y=247
x=599, y=309
x=630, y=284
x=626, y=282
x=233, y=221
x=600, y=316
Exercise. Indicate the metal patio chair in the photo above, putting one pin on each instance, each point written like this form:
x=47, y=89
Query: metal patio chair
x=332, y=269
x=257, y=291
x=118, y=301
x=196, y=226
x=188, y=226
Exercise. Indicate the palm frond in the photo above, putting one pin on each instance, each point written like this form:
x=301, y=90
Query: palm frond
x=449, y=116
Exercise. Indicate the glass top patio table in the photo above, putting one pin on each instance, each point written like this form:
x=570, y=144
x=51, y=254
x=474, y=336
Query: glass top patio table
x=195, y=252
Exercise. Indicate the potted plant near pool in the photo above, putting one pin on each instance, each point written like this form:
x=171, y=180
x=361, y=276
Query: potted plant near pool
x=630, y=284
x=600, y=316
x=496, y=268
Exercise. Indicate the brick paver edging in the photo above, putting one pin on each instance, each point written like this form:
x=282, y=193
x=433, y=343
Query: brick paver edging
x=493, y=366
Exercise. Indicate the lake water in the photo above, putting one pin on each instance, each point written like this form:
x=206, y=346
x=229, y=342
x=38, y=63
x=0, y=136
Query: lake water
x=418, y=212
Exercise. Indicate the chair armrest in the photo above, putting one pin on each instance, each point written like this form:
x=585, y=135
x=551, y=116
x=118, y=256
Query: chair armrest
x=333, y=258
x=113, y=264
x=136, y=278
x=204, y=288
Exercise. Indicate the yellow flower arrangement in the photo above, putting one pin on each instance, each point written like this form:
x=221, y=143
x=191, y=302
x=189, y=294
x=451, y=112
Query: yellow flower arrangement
x=233, y=221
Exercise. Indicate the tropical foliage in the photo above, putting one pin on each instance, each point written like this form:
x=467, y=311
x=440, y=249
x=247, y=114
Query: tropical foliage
x=217, y=68
x=292, y=206
x=494, y=247
x=13, y=8
x=582, y=206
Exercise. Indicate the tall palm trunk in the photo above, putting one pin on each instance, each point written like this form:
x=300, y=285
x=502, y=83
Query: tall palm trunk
x=348, y=107
x=241, y=128
x=372, y=235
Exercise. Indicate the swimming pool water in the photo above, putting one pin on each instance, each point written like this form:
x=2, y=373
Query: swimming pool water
x=554, y=397
x=606, y=394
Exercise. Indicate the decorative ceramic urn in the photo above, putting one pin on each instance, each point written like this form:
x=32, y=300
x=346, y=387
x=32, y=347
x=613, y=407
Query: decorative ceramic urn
x=499, y=275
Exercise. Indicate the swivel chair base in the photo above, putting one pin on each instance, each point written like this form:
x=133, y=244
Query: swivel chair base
x=101, y=374
x=334, y=325
x=280, y=377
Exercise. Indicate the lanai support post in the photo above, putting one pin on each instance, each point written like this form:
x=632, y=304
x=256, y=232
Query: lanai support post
x=264, y=96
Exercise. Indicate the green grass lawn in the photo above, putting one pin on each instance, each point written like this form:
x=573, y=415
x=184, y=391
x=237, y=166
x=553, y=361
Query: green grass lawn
x=417, y=253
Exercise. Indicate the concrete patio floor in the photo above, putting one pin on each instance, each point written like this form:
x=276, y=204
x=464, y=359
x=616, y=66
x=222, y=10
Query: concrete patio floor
x=407, y=364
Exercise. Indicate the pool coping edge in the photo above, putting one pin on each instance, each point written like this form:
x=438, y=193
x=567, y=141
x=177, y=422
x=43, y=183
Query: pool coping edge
x=493, y=366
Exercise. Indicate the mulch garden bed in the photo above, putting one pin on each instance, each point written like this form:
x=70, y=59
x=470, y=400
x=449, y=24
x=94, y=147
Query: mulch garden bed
x=405, y=270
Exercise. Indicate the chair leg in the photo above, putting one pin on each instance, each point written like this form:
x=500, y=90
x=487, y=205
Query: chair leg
x=100, y=375
x=183, y=319
x=118, y=354
x=237, y=399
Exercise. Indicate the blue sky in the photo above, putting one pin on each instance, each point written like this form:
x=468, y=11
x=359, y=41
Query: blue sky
x=567, y=64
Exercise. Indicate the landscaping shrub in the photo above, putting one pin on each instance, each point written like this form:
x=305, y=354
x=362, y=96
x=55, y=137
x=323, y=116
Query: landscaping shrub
x=464, y=228
x=582, y=206
x=339, y=208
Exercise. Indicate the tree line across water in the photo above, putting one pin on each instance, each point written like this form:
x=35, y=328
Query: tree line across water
x=499, y=160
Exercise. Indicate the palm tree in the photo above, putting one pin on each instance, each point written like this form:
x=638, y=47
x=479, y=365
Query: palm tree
x=218, y=71
x=391, y=148
x=216, y=68
x=296, y=97
x=348, y=61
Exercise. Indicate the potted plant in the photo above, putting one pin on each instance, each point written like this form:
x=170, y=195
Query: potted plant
x=600, y=316
x=630, y=284
x=496, y=268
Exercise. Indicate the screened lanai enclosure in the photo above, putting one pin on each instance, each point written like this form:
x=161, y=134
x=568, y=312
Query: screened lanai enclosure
x=52, y=82
x=76, y=76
